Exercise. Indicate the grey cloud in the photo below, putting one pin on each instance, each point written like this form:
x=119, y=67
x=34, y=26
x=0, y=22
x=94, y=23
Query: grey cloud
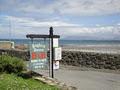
x=90, y=7
x=73, y=7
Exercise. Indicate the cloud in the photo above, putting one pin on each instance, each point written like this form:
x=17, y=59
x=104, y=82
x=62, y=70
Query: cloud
x=21, y=26
x=90, y=7
x=90, y=33
x=30, y=22
x=118, y=24
x=62, y=7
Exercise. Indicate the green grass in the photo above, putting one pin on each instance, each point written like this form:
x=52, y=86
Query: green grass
x=13, y=82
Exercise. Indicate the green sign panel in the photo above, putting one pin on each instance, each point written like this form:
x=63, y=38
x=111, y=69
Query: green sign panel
x=38, y=56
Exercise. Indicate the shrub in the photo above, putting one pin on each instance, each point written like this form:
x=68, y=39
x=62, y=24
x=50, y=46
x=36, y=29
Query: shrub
x=11, y=64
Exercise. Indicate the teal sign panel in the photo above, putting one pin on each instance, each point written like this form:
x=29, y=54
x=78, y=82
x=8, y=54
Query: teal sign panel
x=38, y=56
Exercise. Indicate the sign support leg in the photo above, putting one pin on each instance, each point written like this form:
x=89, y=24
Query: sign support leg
x=50, y=59
x=51, y=52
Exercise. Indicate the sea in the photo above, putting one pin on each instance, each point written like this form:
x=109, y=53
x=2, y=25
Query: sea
x=69, y=42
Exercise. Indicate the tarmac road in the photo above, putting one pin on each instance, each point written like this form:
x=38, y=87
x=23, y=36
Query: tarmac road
x=89, y=80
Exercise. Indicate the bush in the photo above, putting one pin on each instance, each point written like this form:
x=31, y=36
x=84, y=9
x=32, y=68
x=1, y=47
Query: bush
x=11, y=64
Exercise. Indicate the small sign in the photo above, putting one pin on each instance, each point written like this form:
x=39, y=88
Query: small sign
x=55, y=42
x=56, y=65
x=58, y=53
x=38, y=56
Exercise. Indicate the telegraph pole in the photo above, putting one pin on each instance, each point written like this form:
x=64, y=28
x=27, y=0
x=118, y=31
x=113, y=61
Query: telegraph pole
x=10, y=31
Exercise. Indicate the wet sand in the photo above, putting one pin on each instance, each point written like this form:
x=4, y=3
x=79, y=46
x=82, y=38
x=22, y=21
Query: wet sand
x=115, y=49
x=93, y=48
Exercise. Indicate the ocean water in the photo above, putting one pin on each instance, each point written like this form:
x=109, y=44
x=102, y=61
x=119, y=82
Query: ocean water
x=70, y=42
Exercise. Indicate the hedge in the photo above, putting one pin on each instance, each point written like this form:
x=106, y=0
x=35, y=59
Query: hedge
x=11, y=64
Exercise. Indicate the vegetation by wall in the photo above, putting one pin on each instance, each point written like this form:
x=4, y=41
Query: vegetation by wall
x=11, y=64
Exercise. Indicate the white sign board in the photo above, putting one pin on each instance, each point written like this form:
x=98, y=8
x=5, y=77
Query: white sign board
x=56, y=65
x=55, y=42
x=58, y=53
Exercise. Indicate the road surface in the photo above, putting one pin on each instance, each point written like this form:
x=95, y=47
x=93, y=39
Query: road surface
x=88, y=79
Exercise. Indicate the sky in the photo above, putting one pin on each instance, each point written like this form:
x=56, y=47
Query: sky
x=71, y=19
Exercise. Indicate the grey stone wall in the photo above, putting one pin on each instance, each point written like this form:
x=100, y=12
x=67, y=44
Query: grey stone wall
x=90, y=59
x=17, y=53
x=76, y=58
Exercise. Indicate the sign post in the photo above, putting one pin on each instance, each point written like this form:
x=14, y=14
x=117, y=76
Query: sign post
x=38, y=52
x=51, y=52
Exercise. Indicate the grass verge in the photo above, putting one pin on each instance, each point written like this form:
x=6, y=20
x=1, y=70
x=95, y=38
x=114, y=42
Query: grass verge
x=13, y=82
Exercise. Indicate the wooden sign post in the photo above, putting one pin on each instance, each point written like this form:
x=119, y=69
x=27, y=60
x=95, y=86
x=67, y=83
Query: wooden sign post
x=38, y=53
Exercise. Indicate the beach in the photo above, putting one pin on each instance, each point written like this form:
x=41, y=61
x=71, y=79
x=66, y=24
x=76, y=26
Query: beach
x=113, y=49
x=93, y=48
x=100, y=46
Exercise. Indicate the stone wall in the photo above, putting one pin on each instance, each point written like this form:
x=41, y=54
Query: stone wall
x=76, y=58
x=90, y=59
x=17, y=53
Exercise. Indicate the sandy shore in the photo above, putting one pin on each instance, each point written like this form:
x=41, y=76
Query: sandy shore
x=115, y=49
x=93, y=48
